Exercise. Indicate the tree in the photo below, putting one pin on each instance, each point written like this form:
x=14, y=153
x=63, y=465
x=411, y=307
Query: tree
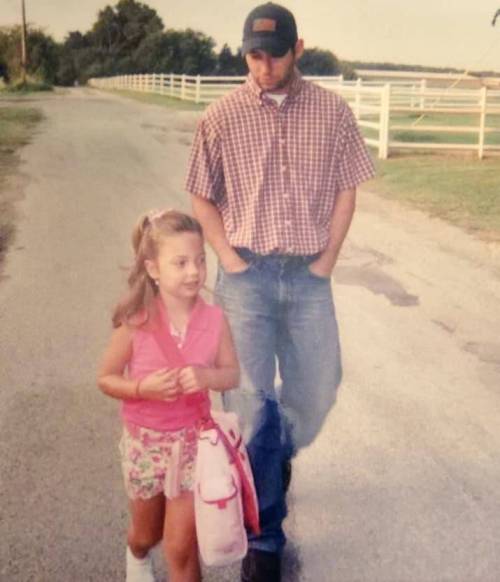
x=43, y=53
x=10, y=55
x=76, y=55
x=196, y=49
x=229, y=64
x=43, y=56
x=138, y=21
x=156, y=54
x=119, y=31
x=4, y=73
x=319, y=62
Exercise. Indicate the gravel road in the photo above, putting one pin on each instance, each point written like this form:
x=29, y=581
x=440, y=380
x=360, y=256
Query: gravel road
x=402, y=484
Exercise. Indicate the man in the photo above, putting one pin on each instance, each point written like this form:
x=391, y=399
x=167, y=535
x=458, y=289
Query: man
x=273, y=176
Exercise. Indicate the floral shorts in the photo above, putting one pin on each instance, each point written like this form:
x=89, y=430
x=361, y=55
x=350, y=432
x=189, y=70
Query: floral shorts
x=158, y=462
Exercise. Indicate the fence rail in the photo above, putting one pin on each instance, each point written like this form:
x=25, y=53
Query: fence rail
x=394, y=116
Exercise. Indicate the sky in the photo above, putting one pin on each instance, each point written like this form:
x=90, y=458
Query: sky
x=417, y=32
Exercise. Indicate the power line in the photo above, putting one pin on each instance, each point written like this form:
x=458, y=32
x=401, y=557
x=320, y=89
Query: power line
x=466, y=71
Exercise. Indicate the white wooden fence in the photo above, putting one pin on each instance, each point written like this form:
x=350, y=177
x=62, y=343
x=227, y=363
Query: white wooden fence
x=385, y=111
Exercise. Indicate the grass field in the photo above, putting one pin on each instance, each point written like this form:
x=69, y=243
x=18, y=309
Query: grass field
x=435, y=135
x=437, y=121
x=16, y=127
x=457, y=188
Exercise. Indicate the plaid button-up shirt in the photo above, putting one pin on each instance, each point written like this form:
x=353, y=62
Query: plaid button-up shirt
x=273, y=171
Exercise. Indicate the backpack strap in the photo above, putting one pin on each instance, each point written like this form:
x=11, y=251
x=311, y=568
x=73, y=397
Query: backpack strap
x=163, y=338
x=250, y=509
x=165, y=341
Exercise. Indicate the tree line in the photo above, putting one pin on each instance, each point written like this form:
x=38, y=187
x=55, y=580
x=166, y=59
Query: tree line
x=130, y=37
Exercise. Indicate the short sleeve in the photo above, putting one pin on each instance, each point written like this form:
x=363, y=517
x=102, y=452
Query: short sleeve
x=205, y=177
x=355, y=165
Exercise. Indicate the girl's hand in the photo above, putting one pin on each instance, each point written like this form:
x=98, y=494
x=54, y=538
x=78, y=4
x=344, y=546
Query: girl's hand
x=160, y=385
x=192, y=379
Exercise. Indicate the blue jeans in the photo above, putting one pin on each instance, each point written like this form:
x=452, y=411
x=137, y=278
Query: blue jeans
x=280, y=314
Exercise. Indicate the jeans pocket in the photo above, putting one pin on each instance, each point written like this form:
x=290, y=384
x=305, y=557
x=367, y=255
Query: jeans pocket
x=239, y=273
x=317, y=277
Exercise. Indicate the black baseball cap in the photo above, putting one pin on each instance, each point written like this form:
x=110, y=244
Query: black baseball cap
x=270, y=28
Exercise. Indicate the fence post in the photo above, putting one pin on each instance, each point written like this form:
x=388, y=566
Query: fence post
x=357, y=104
x=482, y=121
x=162, y=83
x=197, y=94
x=172, y=80
x=183, y=87
x=385, y=104
x=423, y=88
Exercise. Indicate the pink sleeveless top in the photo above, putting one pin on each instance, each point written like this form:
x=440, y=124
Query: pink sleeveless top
x=198, y=349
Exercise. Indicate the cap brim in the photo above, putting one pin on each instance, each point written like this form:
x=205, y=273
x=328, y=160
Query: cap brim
x=275, y=47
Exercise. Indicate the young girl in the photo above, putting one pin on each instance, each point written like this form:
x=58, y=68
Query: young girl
x=163, y=402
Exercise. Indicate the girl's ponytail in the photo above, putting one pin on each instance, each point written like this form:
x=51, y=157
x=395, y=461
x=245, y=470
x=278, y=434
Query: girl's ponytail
x=141, y=289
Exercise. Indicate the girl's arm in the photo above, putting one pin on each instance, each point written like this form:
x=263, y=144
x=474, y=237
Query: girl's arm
x=223, y=376
x=159, y=385
x=110, y=378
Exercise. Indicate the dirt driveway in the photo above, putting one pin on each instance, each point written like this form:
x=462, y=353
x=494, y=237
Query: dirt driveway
x=402, y=485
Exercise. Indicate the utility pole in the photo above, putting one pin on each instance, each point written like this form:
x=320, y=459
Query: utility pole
x=24, y=53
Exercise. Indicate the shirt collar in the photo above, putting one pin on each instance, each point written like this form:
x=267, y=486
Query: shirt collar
x=293, y=91
x=196, y=321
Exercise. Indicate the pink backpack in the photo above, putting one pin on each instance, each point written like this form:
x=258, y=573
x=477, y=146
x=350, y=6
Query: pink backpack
x=225, y=500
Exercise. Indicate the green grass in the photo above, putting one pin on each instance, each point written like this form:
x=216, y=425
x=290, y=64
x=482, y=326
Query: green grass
x=16, y=127
x=454, y=186
x=435, y=135
x=16, y=124
x=460, y=189
x=163, y=100
x=20, y=88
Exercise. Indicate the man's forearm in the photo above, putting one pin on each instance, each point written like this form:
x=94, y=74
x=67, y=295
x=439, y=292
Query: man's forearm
x=343, y=211
x=213, y=229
